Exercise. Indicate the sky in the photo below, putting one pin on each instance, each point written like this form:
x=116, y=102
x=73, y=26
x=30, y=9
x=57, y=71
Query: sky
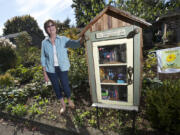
x=41, y=10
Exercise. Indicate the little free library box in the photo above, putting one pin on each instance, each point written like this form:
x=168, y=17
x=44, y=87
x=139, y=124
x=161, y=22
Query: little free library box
x=113, y=41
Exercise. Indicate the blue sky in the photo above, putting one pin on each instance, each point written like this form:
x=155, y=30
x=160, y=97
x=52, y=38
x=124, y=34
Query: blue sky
x=41, y=10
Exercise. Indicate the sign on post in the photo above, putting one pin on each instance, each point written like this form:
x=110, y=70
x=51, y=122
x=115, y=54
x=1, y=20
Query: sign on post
x=168, y=60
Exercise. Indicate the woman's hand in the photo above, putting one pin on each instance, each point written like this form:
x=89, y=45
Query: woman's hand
x=45, y=75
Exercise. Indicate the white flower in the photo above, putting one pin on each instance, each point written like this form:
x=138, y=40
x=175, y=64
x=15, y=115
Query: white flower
x=6, y=42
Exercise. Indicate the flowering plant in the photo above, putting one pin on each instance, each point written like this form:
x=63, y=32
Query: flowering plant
x=6, y=42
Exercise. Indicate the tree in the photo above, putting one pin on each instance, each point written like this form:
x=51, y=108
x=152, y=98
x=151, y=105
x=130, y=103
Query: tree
x=62, y=26
x=173, y=4
x=27, y=55
x=146, y=9
x=86, y=10
x=24, y=23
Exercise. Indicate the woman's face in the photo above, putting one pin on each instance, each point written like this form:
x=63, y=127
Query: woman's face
x=51, y=29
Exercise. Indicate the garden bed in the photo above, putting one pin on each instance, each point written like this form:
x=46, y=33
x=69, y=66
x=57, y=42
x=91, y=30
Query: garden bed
x=45, y=110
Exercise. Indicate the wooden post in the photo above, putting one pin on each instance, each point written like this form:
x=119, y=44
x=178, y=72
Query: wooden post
x=134, y=122
x=97, y=116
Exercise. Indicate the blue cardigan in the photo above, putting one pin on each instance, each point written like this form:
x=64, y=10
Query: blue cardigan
x=47, y=57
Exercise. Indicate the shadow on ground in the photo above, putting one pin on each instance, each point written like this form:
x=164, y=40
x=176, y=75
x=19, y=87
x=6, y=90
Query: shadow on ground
x=43, y=128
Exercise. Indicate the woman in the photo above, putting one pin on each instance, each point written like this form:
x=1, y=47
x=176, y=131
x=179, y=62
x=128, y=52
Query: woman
x=55, y=62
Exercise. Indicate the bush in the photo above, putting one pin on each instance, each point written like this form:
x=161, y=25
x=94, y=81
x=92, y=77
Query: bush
x=28, y=55
x=163, y=106
x=6, y=80
x=78, y=73
x=24, y=74
x=150, y=66
x=7, y=55
x=12, y=95
x=33, y=57
x=19, y=110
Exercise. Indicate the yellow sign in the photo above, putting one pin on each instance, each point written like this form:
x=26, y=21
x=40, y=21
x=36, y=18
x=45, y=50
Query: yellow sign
x=168, y=60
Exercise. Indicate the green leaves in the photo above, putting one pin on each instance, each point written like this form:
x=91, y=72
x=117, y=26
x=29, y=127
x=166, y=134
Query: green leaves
x=19, y=110
x=163, y=106
x=62, y=26
x=6, y=80
x=24, y=23
x=146, y=9
x=87, y=10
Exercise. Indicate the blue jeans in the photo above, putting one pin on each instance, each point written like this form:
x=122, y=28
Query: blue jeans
x=60, y=82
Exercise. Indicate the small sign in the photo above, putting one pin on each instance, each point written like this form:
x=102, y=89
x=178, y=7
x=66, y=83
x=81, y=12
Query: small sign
x=169, y=60
x=121, y=32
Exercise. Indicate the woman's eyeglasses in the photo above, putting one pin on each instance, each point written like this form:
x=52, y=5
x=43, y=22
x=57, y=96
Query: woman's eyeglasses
x=50, y=25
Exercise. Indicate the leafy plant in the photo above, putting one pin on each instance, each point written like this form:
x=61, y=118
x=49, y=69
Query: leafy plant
x=150, y=66
x=51, y=116
x=12, y=95
x=19, y=110
x=78, y=74
x=6, y=80
x=80, y=116
x=35, y=109
x=9, y=107
x=24, y=74
x=86, y=10
x=28, y=55
x=78, y=71
x=62, y=26
x=163, y=106
x=92, y=121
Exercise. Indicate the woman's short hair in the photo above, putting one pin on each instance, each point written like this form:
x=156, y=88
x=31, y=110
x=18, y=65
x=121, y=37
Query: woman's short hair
x=47, y=23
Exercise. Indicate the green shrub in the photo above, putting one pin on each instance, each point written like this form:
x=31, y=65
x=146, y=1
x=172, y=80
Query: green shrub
x=19, y=110
x=12, y=95
x=9, y=107
x=24, y=74
x=23, y=42
x=150, y=66
x=33, y=57
x=28, y=55
x=163, y=106
x=78, y=73
x=6, y=80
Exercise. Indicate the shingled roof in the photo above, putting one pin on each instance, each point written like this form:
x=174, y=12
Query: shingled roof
x=114, y=12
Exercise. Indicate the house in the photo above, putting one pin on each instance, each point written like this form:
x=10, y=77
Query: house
x=12, y=35
x=167, y=28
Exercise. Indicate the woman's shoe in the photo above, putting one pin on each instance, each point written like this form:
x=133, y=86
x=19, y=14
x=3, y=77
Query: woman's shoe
x=62, y=110
x=71, y=104
x=63, y=105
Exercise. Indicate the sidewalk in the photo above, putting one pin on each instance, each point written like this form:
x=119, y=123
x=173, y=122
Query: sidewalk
x=12, y=129
x=16, y=127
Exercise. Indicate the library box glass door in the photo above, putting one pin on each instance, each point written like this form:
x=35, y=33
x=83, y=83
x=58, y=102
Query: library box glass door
x=113, y=60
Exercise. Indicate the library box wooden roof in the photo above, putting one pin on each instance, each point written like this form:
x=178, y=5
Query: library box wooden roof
x=112, y=17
